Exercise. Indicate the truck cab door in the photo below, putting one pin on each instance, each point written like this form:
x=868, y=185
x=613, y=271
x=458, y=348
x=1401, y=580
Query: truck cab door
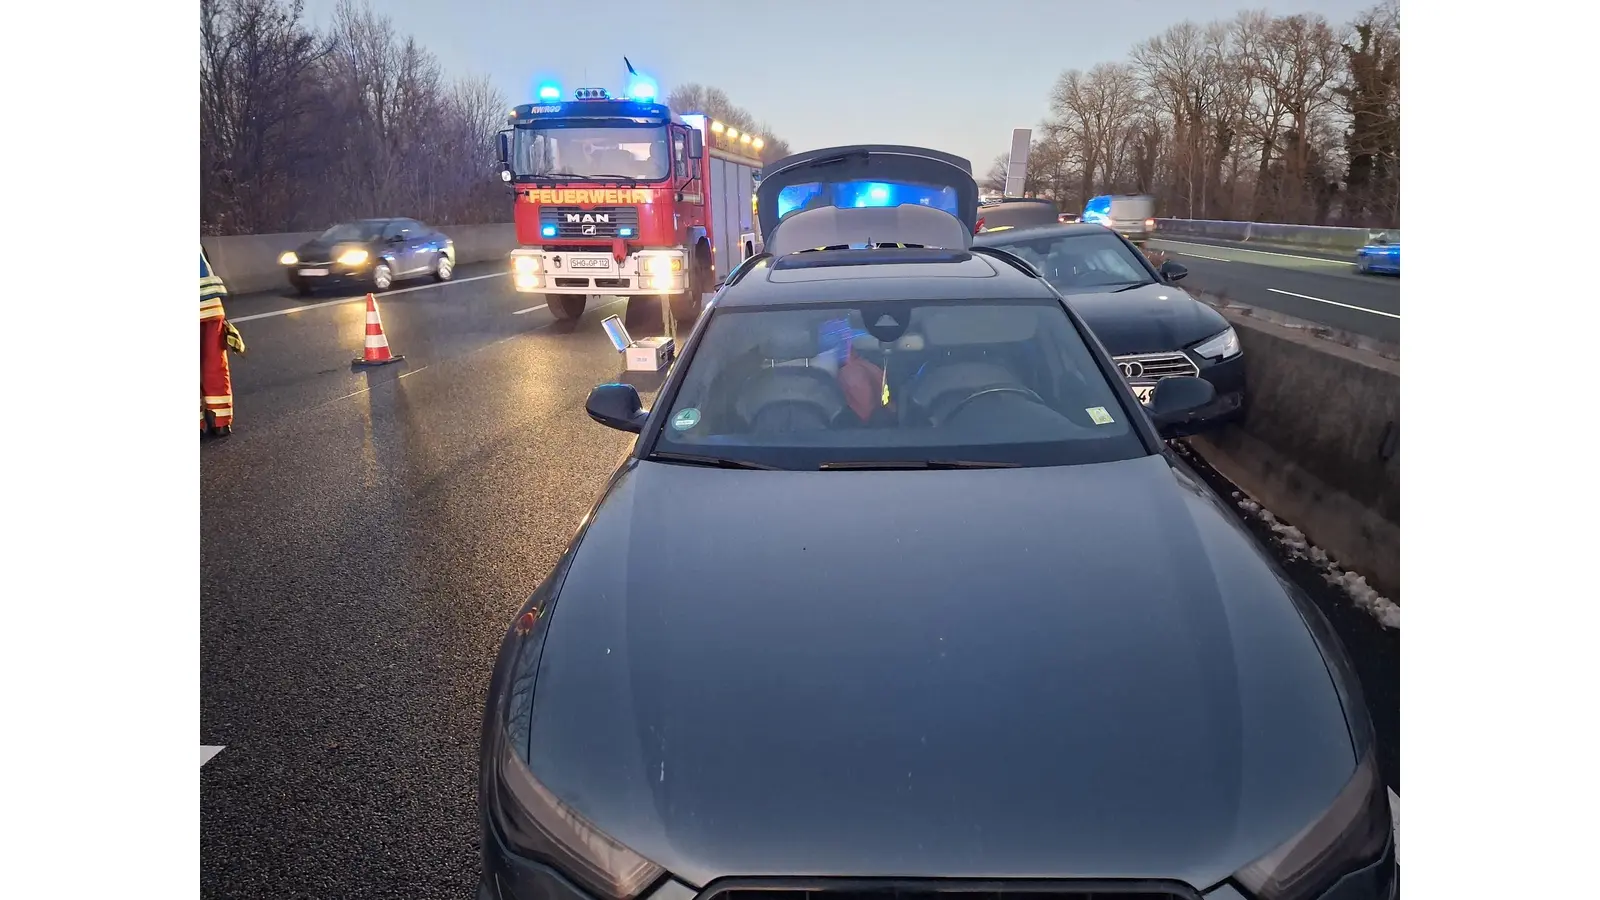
x=879, y=177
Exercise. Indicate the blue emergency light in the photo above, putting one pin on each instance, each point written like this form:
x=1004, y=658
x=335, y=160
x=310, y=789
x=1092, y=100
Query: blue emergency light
x=624, y=232
x=549, y=92
x=547, y=231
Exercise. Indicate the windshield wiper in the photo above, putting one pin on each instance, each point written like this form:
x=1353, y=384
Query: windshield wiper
x=714, y=461
x=588, y=177
x=869, y=464
x=1130, y=287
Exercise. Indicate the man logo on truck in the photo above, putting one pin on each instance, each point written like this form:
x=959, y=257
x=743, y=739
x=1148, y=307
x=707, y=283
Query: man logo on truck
x=589, y=218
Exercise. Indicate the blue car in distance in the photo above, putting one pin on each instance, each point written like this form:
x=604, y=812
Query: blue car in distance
x=1380, y=257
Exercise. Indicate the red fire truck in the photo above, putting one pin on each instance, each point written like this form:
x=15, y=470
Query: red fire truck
x=620, y=196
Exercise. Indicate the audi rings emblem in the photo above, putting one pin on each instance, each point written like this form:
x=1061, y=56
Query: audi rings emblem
x=1131, y=369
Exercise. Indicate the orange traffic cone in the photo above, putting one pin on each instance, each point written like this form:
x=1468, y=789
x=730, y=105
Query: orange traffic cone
x=376, y=352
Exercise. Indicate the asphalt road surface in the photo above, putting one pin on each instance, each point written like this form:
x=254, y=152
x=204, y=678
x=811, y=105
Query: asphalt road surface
x=366, y=537
x=1307, y=284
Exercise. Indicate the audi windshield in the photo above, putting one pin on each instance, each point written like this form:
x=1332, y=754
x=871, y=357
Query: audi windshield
x=1080, y=261
x=890, y=384
x=615, y=152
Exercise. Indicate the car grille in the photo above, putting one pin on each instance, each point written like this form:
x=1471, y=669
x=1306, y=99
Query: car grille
x=954, y=890
x=573, y=222
x=1152, y=366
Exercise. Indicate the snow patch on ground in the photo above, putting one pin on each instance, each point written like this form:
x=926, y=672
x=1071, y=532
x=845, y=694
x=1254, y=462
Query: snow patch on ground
x=1294, y=541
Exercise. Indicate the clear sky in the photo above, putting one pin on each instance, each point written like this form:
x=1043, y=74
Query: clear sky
x=956, y=75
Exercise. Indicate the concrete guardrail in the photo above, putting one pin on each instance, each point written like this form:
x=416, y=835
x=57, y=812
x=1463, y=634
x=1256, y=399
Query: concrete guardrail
x=1311, y=237
x=249, y=262
x=1320, y=443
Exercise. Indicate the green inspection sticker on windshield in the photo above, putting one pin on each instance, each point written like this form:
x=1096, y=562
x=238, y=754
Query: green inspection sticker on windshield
x=686, y=419
x=1099, y=415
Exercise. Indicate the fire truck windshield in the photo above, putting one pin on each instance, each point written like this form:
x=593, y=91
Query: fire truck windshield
x=606, y=152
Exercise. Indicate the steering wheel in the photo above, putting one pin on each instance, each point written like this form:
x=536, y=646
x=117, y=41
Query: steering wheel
x=962, y=403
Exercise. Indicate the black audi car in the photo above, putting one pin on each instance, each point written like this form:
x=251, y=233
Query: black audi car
x=900, y=593
x=369, y=253
x=1153, y=328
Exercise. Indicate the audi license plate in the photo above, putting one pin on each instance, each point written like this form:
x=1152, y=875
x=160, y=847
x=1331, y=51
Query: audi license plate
x=1143, y=391
x=313, y=271
x=591, y=262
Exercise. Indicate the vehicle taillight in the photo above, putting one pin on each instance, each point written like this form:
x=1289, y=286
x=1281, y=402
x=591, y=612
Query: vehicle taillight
x=1149, y=224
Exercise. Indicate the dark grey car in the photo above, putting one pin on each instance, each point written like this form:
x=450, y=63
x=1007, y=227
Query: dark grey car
x=901, y=592
x=369, y=253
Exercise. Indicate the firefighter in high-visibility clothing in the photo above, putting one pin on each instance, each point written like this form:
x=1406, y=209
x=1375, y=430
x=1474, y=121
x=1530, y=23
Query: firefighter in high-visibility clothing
x=217, y=337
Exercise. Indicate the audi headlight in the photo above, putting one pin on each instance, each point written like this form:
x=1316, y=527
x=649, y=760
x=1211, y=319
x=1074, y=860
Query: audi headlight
x=1350, y=835
x=1220, y=346
x=539, y=825
x=353, y=257
x=288, y=259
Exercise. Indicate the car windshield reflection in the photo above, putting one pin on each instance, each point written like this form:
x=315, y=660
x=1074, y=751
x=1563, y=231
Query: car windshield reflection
x=1081, y=262
x=908, y=384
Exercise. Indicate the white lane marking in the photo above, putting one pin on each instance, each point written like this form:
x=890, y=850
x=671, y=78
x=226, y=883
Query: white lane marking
x=207, y=752
x=1203, y=256
x=363, y=297
x=509, y=337
x=1376, y=312
x=1320, y=259
x=530, y=309
x=1394, y=812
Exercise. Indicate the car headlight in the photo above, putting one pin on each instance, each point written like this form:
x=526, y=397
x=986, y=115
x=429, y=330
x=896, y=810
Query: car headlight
x=1220, y=346
x=353, y=257
x=525, y=264
x=539, y=825
x=288, y=259
x=1351, y=834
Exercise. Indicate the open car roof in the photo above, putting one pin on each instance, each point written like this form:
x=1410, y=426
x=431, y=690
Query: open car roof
x=873, y=192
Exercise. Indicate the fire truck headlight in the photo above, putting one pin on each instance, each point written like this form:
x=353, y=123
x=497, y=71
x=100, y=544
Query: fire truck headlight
x=525, y=265
x=288, y=259
x=661, y=265
x=353, y=257
x=664, y=283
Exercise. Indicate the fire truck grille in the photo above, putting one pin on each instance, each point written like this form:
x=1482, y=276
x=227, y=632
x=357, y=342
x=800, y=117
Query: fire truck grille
x=602, y=221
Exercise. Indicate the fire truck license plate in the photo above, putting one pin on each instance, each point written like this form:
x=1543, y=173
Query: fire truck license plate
x=591, y=263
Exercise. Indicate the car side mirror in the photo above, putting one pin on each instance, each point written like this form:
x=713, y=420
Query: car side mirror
x=1175, y=400
x=617, y=406
x=397, y=239
x=697, y=144
x=1172, y=271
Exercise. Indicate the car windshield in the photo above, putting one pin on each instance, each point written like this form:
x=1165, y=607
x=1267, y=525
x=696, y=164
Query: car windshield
x=1080, y=261
x=620, y=152
x=353, y=231
x=899, y=383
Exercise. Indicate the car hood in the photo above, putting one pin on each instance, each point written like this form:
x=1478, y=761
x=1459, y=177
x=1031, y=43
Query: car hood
x=1146, y=319
x=1052, y=672
x=315, y=249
